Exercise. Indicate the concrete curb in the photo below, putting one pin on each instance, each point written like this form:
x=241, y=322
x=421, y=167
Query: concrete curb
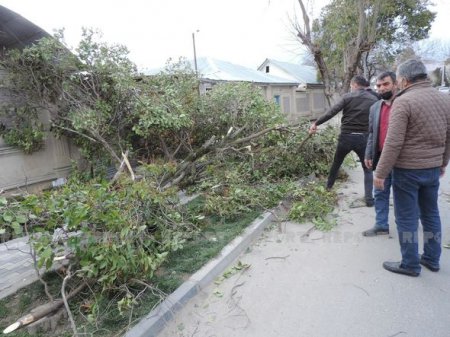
x=154, y=322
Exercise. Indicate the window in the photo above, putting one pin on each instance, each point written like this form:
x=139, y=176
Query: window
x=276, y=98
x=302, y=103
x=267, y=69
x=286, y=104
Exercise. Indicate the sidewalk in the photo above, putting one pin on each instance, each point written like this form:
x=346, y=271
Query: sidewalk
x=16, y=266
x=323, y=284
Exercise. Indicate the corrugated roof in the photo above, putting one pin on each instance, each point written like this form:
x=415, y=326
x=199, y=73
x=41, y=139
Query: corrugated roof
x=302, y=73
x=218, y=70
x=16, y=31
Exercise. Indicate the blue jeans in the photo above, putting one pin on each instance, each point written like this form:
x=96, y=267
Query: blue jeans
x=382, y=204
x=347, y=143
x=413, y=187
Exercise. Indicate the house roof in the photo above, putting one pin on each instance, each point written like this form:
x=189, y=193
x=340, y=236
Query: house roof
x=217, y=70
x=213, y=69
x=16, y=31
x=302, y=73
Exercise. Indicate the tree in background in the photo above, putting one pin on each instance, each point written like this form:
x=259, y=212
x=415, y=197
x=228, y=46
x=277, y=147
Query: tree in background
x=351, y=35
x=439, y=51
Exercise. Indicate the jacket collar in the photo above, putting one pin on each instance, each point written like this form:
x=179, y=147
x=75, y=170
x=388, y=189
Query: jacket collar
x=415, y=86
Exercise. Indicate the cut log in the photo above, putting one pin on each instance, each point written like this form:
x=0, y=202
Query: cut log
x=41, y=311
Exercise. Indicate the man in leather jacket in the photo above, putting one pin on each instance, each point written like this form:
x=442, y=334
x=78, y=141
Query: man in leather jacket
x=354, y=130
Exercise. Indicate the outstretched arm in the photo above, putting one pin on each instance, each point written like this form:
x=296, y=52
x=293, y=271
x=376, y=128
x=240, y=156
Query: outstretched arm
x=330, y=113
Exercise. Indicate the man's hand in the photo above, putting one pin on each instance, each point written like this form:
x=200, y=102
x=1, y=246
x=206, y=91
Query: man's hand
x=378, y=183
x=442, y=171
x=368, y=163
x=312, y=129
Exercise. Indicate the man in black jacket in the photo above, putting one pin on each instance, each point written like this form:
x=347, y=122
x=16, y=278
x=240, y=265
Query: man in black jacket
x=354, y=130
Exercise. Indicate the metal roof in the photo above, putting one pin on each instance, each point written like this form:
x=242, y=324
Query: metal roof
x=217, y=70
x=16, y=31
x=302, y=73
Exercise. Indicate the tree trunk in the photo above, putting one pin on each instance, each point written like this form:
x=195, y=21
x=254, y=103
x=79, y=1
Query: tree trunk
x=305, y=37
x=364, y=42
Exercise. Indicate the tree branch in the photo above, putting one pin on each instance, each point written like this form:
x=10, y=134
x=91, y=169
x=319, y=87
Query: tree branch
x=66, y=303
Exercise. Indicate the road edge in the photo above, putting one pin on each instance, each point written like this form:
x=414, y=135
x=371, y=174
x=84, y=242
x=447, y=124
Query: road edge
x=152, y=324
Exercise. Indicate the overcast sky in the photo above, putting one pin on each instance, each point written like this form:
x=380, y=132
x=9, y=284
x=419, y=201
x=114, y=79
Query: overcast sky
x=244, y=32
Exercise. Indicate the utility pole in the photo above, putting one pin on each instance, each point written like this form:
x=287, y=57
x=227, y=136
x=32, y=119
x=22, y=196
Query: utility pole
x=195, y=52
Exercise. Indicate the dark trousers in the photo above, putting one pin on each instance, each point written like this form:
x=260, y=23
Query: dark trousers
x=347, y=143
x=414, y=188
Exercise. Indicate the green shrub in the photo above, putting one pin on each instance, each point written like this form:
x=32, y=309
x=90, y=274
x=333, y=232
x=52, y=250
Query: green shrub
x=117, y=232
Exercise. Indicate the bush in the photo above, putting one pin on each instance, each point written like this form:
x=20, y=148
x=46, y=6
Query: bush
x=115, y=232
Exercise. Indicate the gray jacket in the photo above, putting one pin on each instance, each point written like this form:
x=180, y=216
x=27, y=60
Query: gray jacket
x=372, y=150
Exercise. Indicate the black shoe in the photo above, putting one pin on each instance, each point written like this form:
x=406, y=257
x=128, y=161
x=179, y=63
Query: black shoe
x=396, y=267
x=428, y=265
x=374, y=231
x=369, y=203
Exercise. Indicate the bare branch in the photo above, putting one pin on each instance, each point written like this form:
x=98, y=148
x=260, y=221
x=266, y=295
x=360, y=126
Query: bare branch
x=66, y=303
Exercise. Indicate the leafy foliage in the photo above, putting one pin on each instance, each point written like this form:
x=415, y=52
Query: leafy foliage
x=12, y=217
x=88, y=96
x=388, y=26
x=105, y=106
x=115, y=232
x=21, y=128
x=295, y=154
x=168, y=101
x=313, y=202
x=237, y=106
x=259, y=178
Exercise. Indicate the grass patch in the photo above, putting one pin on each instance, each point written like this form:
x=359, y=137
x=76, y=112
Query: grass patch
x=207, y=244
x=3, y=310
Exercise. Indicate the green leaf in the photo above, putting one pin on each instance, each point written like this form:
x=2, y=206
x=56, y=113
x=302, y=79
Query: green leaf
x=8, y=217
x=21, y=218
x=17, y=227
x=3, y=201
x=99, y=257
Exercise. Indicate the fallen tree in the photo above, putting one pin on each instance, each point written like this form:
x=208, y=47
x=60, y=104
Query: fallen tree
x=232, y=146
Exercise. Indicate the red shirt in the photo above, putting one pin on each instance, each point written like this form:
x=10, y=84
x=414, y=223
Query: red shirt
x=384, y=122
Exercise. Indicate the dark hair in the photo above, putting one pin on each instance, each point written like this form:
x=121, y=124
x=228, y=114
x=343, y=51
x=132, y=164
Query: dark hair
x=412, y=70
x=385, y=74
x=360, y=81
